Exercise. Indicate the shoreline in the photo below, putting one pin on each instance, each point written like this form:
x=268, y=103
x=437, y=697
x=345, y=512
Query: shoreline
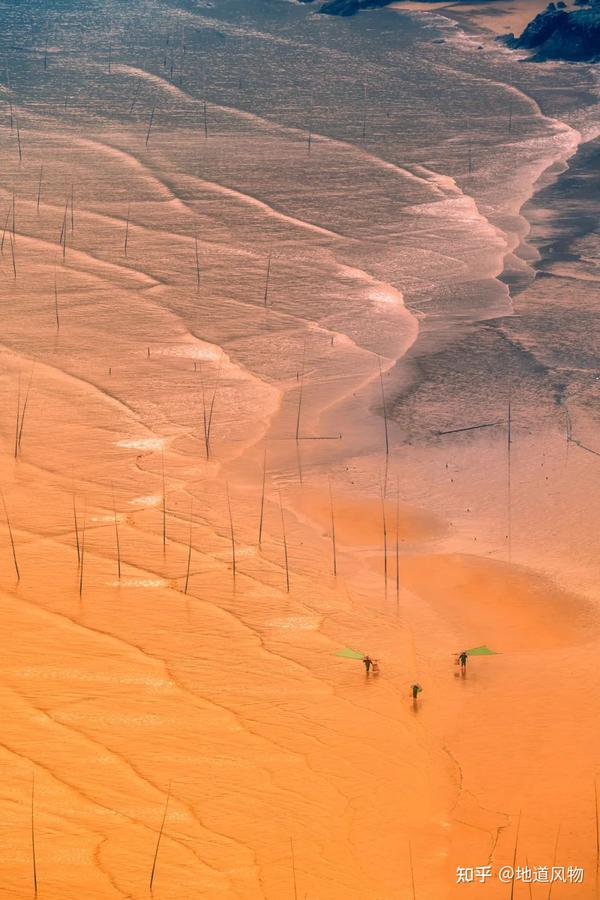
x=204, y=671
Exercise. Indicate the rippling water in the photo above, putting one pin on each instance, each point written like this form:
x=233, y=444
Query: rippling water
x=238, y=227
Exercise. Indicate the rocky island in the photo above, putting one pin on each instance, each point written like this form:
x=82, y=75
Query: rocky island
x=348, y=7
x=560, y=33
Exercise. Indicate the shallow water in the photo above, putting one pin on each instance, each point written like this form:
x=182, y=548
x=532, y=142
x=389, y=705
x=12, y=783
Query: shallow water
x=255, y=228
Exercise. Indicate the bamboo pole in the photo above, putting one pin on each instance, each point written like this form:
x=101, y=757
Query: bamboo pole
x=597, y=835
x=117, y=541
x=135, y=95
x=197, y=261
x=19, y=141
x=76, y=524
x=211, y=410
x=12, y=540
x=82, y=554
x=189, y=558
x=150, y=124
x=514, y=865
x=412, y=871
x=160, y=834
x=164, y=503
x=63, y=231
x=385, y=422
x=126, y=241
x=267, y=279
x=12, y=253
x=231, y=533
x=294, y=868
x=39, y=193
x=385, y=544
x=397, y=541
x=33, y=853
x=509, y=472
x=4, y=233
x=262, y=498
x=204, y=416
x=554, y=860
x=300, y=396
x=25, y=404
x=364, y=121
x=333, y=543
x=285, y=547
x=18, y=419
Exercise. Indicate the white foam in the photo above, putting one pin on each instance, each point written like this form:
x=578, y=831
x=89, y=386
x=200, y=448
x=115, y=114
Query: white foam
x=142, y=443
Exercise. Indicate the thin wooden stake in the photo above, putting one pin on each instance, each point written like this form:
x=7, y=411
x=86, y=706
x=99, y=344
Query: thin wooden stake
x=364, y=124
x=33, y=854
x=16, y=449
x=19, y=141
x=189, y=559
x=262, y=498
x=135, y=95
x=509, y=472
x=127, y=230
x=56, y=315
x=76, y=523
x=385, y=421
x=597, y=834
x=197, y=261
x=554, y=861
x=160, y=834
x=12, y=252
x=385, y=544
x=150, y=124
x=204, y=416
x=164, y=503
x=333, y=530
x=294, y=868
x=514, y=865
x=63, y=230
x=205, y=123
x=82, y=553
x=232, y=535
x=285, y=548
x=211, y=411
x=117, y=541
x=5, y=228
x=266, y=297
x=412, y=871
x=397, y=541
x=12, y=540
x=39, y=193
x=25, y=408
x=300, y=396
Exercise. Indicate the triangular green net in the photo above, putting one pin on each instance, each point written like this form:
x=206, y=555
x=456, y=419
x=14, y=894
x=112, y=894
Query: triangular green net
x=349, y=653
x=481, y=651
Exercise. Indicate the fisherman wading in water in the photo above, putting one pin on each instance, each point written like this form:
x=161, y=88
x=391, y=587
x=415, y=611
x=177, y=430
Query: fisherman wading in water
x=368, y=663
x=462, y=658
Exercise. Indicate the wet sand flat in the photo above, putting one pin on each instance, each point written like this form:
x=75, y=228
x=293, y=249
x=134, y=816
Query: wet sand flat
x=242, y=328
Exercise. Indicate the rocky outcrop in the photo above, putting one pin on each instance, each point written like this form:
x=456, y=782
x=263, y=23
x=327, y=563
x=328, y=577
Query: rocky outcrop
x=348, y=7
x=558, y=33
